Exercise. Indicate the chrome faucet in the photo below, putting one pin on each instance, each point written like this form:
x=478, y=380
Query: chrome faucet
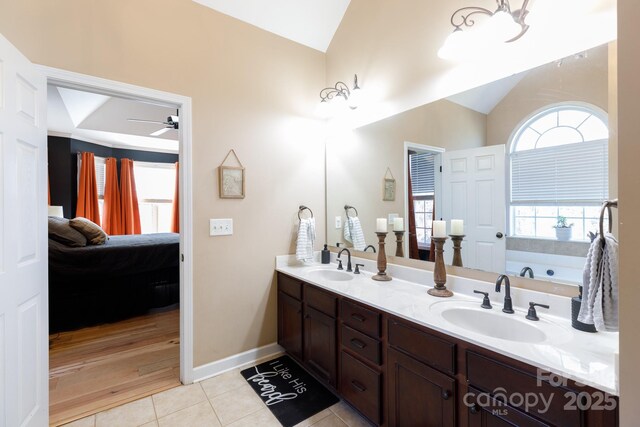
x=508, y=307
x=372, y=247
x=348, y=259
x=525, y=270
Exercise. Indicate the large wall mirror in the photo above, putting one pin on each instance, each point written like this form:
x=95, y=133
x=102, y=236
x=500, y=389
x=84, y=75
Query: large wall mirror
x=514, y=160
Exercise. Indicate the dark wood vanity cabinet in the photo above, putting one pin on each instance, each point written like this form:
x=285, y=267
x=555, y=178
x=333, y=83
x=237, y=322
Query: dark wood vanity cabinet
x=307, y=326
x=400, y=374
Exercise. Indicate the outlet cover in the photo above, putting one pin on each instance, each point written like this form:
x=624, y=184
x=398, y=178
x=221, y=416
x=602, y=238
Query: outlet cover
x=221, y=227
x=338, y=222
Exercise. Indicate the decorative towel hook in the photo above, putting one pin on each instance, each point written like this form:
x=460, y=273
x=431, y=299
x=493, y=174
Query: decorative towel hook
x=303, y=208
x=346, y=210
x=607, y=205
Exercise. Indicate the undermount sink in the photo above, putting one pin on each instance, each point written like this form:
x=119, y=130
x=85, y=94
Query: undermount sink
x=331, y=275
x=496, y=324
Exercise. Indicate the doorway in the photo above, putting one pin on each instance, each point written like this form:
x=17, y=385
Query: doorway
x=422, y=197
x=161, y=321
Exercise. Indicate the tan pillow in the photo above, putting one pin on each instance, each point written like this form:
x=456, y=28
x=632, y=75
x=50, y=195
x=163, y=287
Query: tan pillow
x=61, y=231
x=92, y=231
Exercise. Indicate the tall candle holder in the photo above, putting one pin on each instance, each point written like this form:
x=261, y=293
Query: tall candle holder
x=457, y=249
x=399, y=245
x=440, y=272
x=382, y=276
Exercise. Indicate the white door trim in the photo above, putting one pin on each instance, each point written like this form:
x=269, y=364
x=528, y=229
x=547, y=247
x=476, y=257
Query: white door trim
x=111, y=87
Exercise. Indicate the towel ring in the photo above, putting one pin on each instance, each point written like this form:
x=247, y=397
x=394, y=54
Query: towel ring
x=303, y=208
x=346, y=210
x=607, y=206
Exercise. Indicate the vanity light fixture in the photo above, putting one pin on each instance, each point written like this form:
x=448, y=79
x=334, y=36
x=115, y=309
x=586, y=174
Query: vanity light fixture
x=503, y=25
x=340, y=95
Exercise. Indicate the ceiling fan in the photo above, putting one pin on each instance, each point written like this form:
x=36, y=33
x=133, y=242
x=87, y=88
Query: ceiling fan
x=172, y=122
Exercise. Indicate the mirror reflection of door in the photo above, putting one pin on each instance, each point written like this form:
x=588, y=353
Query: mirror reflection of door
x=422, y=195
x=473, y=190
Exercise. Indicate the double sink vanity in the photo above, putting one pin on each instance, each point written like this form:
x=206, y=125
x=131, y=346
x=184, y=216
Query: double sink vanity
x=404, y=358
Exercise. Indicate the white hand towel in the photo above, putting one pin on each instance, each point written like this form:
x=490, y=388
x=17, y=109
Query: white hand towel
x=353, y=233
x=306, y=237
x=600, y=285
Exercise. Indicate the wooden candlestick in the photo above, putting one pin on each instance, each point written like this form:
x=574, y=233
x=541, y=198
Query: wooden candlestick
x=457, y=248
x=440, y=272
x=382, y=276
x=399, y=246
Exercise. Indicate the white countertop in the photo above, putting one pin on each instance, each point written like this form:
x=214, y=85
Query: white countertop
x=587, y=358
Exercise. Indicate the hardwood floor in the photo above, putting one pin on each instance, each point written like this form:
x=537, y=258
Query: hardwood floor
x=101, y=367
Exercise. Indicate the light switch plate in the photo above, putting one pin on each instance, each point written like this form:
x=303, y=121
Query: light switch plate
x=221, y=227
x=338, y=222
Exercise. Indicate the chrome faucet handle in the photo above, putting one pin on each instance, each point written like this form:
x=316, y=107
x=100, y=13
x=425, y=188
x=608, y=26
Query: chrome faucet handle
x=357, y=270
x=485, y=301
x=532, y=315
x=339, y=264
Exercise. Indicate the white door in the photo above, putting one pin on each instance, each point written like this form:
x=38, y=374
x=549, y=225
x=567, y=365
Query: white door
x=473, y=189
x=23, y=242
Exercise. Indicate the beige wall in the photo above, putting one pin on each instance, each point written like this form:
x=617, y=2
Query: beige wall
x=582, y=80
x=251, y=90
x=629, y=188
x=357, y=162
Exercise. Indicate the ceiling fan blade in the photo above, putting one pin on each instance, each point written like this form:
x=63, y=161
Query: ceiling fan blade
x=160, y=131
x=147, y=121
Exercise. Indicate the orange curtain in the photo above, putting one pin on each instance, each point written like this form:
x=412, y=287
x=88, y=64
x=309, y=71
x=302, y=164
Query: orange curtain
x=112, y=211
x=88, y=190
x=175, y=208
x=129, y=197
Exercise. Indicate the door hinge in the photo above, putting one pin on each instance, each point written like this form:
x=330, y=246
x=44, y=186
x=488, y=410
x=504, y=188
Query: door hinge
x=440, y=168
x=182, y=257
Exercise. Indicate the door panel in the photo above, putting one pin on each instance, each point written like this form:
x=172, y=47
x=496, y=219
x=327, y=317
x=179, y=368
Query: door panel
x=23, y=262
x=473, y=183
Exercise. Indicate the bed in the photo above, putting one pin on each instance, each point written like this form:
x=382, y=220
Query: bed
x=125, y=277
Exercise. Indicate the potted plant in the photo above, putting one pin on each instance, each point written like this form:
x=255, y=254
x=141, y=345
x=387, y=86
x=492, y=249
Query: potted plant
x=563, y=230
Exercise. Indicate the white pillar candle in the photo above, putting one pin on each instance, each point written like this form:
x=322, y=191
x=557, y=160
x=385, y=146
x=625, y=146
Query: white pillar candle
x=398, y=224
x=381, y=225
x=439, y=228
x=457, y=227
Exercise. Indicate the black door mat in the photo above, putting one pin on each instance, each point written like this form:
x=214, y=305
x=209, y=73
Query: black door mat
x=289, y=391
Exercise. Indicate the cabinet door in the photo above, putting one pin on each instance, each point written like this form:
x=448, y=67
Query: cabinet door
x=290, y=324
x=320, y=344
x=419, y=395
x=485, y=411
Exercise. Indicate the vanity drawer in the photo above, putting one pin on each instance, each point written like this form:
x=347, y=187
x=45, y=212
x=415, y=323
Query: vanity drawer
x=320, y=300
x=362, y=345
x=489, y=375
x=361, y=386
x=290, y=286
x=360, y=318
x=423, y=346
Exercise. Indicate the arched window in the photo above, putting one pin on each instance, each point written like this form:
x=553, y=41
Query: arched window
x=559, y=163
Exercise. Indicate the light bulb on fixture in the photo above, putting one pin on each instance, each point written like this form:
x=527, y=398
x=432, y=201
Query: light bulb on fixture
x=453, y=45
x=501, y=27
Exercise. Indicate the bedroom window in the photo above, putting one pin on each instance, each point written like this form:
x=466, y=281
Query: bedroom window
x=423, y=188
x=155, y=184
x=559, y=167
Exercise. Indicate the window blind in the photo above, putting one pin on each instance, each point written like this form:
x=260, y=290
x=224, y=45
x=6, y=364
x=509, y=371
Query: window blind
x=101, y=172
x=566, y=174
x=422, y=173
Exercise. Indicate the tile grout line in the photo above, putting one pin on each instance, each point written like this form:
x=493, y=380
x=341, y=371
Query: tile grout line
x=153, y=403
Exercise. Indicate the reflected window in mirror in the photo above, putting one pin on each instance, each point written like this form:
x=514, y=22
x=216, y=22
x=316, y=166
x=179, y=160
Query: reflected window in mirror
x=559, y=169
x=423, y=189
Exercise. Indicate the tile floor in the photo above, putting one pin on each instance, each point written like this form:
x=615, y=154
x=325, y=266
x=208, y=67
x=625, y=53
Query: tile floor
x=225, y=400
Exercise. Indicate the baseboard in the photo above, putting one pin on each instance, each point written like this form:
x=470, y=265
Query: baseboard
x=248, y=358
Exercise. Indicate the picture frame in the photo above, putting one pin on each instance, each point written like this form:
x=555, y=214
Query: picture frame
x=389, y=190
x=231, y=182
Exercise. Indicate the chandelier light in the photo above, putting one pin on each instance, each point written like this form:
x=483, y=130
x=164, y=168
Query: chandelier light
x=337, y=97
x=504, y=25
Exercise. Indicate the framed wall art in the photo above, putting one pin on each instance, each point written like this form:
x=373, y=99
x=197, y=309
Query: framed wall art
x=231, y=179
